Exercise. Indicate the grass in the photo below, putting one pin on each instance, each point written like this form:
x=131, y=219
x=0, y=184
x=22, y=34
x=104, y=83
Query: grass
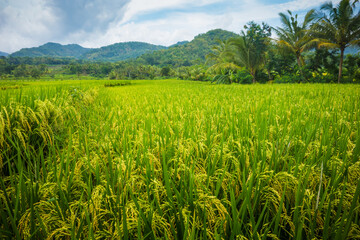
x=117, y=83
x=179, y=160
x=5, y=85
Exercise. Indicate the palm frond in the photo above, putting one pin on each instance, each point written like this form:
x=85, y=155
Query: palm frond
x=295, y=36
x=286, y=45
x=216, y=68
x=286, y=21
x=328, y=45
x=309, y=18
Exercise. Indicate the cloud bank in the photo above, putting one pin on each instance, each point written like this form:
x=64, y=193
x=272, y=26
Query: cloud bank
x=95, y=23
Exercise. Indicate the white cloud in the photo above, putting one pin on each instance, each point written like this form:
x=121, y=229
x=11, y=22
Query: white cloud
x=88, y=15
x=24, y=23
x=136, y=7
x=304, y=4
x=181, y=26
x=95, y=23
x=29, y=23
x=270, y=13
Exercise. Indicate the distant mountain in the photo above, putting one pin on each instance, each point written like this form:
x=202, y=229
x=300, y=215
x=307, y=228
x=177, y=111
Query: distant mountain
x=180, y=43
x=189, y=53
x=52, y=50
x=3, y=54
x=120, y=51
x=180, y=54
x=111, y=53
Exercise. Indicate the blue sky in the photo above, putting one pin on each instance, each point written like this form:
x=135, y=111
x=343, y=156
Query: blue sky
x=95, y=23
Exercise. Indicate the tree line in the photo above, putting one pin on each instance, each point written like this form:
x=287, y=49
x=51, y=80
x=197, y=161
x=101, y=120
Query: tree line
x=333, y=27
x=311, y=49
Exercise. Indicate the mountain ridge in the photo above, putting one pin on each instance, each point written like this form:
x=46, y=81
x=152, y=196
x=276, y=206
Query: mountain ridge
x=182, y=52
x=3, y=54
x=190, y=53
x=52, y=49
x=120, y=51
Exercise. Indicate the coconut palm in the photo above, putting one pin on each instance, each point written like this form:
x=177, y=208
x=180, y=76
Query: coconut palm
x=338, y=28
x=246, y=56
x=249, y=49
x=218, y=53
x=294, y=36
x=220, y=56
x=221, y=60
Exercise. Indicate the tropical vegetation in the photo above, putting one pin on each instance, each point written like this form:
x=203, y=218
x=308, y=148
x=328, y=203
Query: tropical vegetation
x=321, y=47
x=295, y=36
x=339, y=28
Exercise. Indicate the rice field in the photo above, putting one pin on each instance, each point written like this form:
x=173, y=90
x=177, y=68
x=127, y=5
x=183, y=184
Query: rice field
x=179, y=160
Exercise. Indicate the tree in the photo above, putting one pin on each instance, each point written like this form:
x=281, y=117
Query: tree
x=165, y=71
x=323, y=60
x=21, y=71
x=219, y=53
x=75, y=68
x=294, y=36
x=221, y=59
x=339, y=28
x=278, y=61
x=249, y=49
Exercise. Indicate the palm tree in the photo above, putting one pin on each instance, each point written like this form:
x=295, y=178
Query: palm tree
x=221, y=60
x=245, y=55
x=220, y=56
x=249, y=49
x=294, y=36
x=338, y=28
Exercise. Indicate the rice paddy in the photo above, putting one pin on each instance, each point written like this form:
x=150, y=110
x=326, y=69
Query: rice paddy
x=176, y=159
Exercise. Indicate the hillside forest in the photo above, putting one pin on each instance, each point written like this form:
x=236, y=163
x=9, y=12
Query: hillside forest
x=320, y=47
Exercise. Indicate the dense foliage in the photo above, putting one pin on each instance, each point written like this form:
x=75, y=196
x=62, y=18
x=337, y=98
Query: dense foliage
x=305, y=50
x=120, y=51
x=188, y=54
x=111, y=53
x=52, y=50
x=339, y=28
x=249, y=50
x=295, y=37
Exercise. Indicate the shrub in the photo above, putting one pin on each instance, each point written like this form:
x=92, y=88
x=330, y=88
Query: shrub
x=287, y=79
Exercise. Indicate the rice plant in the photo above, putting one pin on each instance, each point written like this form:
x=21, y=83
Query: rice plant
x=117, y=83
x=180, y=160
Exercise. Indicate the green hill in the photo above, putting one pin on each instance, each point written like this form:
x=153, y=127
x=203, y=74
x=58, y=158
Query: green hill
x=180, y=54
x=3, y=54
x=120, y=51
x=179, y=43
x=52, y=50
x=189, y=53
